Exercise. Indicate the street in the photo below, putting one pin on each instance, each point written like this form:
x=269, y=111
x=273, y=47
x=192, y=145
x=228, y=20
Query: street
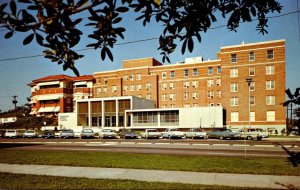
x=234, y=148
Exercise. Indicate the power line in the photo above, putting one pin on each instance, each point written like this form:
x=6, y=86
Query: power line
x=155, y=38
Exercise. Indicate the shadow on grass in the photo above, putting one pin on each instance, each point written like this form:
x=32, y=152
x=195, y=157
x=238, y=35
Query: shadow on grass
x=294, y=157
x=15, y=145
x=287, y=186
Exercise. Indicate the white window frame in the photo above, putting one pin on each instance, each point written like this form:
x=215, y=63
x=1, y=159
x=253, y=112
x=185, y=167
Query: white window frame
x=210, y=71
x=234, y=73
x=186, y=95
x=218, y=82
x=139, y=87
x=164, y=75
x=172, y=74
x=233, y=58
x=210, y=82
x=195, y=84
x=195, y=72
x=164, y=86
x=186, y=84
x=234, y=101
x=172, y=85
x=251, y=56
x=210, y=94
x=186, y=73
x=251, y=71
x=270, y=54
x=234, y=116
x=270, y=115
x=172, y=96
x=234, y=87
x=270, y=69
x=270, y=85
x=270, y=100
x=195, y=95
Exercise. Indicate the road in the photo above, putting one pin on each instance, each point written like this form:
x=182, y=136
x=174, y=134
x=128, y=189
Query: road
x=233, y=148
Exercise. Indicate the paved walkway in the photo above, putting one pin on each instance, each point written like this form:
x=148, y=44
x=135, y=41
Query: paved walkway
x=237, y=180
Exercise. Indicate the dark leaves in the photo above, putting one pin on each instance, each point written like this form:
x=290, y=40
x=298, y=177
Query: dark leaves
x=8, y=34
x=28, y=39
x=105, y=51
x=13, y=7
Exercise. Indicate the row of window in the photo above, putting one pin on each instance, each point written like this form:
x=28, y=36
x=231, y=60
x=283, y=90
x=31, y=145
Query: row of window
x=270, y=100
x=187, y=105
x=270, y=70
x=270, y=55
x=270, y=116
x=270, y=85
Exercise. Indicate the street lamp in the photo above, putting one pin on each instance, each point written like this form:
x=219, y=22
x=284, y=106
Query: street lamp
x=248, y=80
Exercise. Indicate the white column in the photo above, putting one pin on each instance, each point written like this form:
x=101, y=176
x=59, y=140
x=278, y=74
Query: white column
x=89, y=114
x=103, y=111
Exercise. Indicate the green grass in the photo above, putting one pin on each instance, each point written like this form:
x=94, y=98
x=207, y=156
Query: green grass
x=268, y=166
x=23, y=181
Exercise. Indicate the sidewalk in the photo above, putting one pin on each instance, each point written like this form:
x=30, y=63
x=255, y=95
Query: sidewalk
x=237, y=180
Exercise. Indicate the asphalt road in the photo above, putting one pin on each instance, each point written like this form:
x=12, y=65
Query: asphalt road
x=229, y=148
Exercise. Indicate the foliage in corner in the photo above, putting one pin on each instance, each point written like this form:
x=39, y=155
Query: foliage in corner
x=53, y=24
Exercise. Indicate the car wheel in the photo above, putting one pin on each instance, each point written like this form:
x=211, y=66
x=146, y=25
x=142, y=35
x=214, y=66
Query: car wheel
x=250, y=138
x=221, y=138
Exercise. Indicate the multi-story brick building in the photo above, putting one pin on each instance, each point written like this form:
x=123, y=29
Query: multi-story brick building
x=220, y=82
x=56, y=94
x=193, y=83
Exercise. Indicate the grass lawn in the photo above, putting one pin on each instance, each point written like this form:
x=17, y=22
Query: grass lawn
x=23, y=181
x=268, y=166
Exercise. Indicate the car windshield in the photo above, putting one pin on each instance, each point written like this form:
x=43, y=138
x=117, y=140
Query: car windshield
x=29, y=132
x=196, y=130
x=87, y=131
x=152, y=130
x=107, y=130
x=67, y=131
x=11, y=131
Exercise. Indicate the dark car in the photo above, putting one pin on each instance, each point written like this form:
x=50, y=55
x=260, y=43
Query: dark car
x=87, y=133
x=128, y=135
x=48, y=134
x=67, y=133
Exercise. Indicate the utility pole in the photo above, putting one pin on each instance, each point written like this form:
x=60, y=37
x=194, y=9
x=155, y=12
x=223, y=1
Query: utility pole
x=14, y=101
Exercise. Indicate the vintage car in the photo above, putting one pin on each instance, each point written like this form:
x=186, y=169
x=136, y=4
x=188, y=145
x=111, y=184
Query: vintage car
x=67, y=133
x=224, y=134
x=151, y=133
x=12, y=134
x=87, y=133
x=195, y=133
x=172, y=133
x=107, y=133
x=30, y=134
x=126, y=134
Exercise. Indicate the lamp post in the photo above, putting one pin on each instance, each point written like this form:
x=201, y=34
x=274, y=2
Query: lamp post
x=248, y=80
x=14, y=101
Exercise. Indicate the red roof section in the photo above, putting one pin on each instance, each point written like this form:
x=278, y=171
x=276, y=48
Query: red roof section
x=62, y=77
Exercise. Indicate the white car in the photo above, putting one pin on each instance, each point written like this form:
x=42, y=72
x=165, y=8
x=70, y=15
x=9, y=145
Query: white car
x=12, y=134
x=30, y=134
x=172, y=133
x=195, y=133
x=107, y=133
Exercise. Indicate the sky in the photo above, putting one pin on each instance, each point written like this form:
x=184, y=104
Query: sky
x=15, y=75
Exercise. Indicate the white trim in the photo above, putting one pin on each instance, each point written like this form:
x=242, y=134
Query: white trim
x=49, y=109
x=49, y=97
x=48, y=83
x=80, y=83
x=255, y=43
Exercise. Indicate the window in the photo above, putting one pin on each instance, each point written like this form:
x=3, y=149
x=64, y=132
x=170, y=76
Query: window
x=99, y=90
x=270, y=115
x=172, y=96
x=210, y=82
x=195, y=105
x=186, y=95
x=270, y=70
x=186, y=72
x=195, y=95
x=270, y=100
x=114, y=88
x=105, y=80
x=234, y=101
x=139, y=87
x=210, y=94
x=172, y=86
x=252, y=100
x=270, y=54
x=234, y=116
x=270, y=85
x=251, y=56
x=210, y=70
x=218, y=82
x=211, y=104
x=252, y=116
x=186, y=84
x=186, y=105
x=148, y=96
x=104, y=89
x=132, y=76
x=234, y=72
x=138, y=76
x=148, y=85
x=233, y=58
x=125, y=88
x=163, y=75
x=219, y=94
x=172, y=74
x=252, y=86
x=219, y=70
x=132, y=87
x=251, y=71
x=164, y=97
x=234, y=87
x=195, y=71
x=125, y=77
x=195, y=84
x=164, y=86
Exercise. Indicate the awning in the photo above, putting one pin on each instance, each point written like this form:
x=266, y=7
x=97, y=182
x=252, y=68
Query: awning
x=48, y=83
x=49, y=109
x=48, y=97
x=80, y=83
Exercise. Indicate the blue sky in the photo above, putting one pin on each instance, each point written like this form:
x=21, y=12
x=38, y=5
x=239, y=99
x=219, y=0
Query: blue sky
x=16, y=74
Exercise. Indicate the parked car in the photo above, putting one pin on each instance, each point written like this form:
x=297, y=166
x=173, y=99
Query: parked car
x=195, y=133
x=12, y=134
x=48, y=134
x=107, y=133
x=30, y=134
x=224, y=134
x=2, y=133
x=250, y=134
x=67, y=133
x=172, y=133
x=87, y=133
x=151, y=133
x=126, y=134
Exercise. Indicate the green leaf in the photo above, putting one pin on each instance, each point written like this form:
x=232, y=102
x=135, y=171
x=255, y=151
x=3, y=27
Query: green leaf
x=9, y=34
x=13, y=7
x=28, y=39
